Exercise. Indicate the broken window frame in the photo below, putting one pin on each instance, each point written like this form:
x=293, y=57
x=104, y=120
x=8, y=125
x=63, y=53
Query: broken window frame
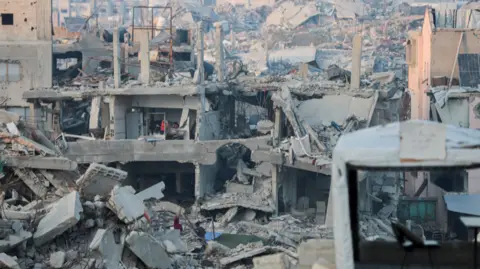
x=7, y=74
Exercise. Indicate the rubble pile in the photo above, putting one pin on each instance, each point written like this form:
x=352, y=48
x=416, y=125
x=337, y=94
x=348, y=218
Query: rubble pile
x=60, y=218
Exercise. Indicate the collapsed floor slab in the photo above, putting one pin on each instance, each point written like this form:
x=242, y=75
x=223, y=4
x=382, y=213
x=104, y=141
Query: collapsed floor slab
x=64, y=214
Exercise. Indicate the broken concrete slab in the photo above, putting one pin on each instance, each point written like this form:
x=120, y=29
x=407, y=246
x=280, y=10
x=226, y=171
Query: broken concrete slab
x=149, y=250
x=277, y=261
x=173, y=242
x=64, y=214
x=100, y=180
x=104, y=243
x=6, y=117
x=154, y=191
x=7, y=261
x=38, y=186
x=228, y=216
x=233, y=187
x=310, y=250
x=13, y=240
x=244, y=255
x=168, y=206
x=126, y=204
x=53, y=163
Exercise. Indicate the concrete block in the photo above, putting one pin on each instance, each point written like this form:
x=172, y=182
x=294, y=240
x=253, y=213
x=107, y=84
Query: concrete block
x=154, y=191
x=321, y=263
x=8, y=262
x=173, y=242
x=264, y=168
x=57, y=259
x=64, y=215
x=233, y=187
x=311, y=250
x=149, y=250
x=104, y=243
x=126, y=204
x=277, y=261
x=100, y=180
x=14, y=240
x=168, y=206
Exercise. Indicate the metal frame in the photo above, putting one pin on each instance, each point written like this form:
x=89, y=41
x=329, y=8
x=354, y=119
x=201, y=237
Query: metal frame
x=152, y=27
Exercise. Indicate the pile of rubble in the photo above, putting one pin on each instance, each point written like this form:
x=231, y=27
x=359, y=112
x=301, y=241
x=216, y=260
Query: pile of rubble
x=57, y=217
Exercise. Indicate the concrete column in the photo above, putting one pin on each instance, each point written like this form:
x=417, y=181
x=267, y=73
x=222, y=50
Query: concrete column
x=35, y=116
x=93, y=7
x=56, y=117
x=275, y=183
x=219, y=57
x=111, y=106
x=110, y=8
x=356, y=62
x=200, y=49
x=178, y=182
x=69, y=8
x=277, y=127
x=116, y=59
x=122, y=12
x=232, y=36
x=144, y=57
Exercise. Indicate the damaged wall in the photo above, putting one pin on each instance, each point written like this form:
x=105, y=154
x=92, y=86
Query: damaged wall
x=166, y=101
x=26, y=49
x=205, y=175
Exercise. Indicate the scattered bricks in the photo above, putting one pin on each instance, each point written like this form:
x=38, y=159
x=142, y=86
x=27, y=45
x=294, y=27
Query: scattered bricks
x=64, y=214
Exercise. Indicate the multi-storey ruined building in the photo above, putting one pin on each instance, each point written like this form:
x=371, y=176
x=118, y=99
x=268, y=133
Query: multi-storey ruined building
x=26, y=51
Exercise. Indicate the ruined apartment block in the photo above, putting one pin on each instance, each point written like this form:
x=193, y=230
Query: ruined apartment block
x=443, y=84
x=26, y=49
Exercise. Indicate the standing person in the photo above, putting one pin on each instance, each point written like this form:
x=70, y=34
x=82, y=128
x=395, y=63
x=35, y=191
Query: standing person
x=176, y=224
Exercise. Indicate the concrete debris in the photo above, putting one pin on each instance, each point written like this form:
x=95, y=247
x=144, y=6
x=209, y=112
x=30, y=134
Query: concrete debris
x=57, y=259
x=109, y=244
x=222, y=127
x=100, y=180
x=64, y=215
x=278, y=260
x=149, y=250
x=8, y=262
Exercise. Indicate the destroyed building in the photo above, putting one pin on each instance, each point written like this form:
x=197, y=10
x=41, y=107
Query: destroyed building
x=25, y=28
x=139, y=128
x=444, y=88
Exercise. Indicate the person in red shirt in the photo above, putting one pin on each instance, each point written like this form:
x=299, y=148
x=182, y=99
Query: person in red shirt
x=176, y=224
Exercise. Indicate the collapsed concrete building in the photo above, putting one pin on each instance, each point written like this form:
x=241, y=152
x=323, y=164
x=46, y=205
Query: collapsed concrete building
x=25, y=27
x=244, y=151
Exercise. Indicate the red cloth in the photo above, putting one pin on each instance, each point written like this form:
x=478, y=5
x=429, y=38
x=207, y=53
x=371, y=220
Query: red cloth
x=176, y=224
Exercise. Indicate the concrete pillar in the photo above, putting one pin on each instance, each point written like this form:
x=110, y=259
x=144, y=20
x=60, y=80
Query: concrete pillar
x=275, y=183
x=219, y=57
x=69, y=8
x=277, y=127
x=232, y=36
x=111, y=129
x=122, y=12
x=200, y=48
x=144, y=57
x=110, y=8
x=116, y=59
x=93, y=7
x=35, y=116
x=178, y=182
x=356, y=62
x=56, y=117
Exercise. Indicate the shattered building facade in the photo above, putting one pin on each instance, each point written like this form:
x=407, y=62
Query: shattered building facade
x=26, y=27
